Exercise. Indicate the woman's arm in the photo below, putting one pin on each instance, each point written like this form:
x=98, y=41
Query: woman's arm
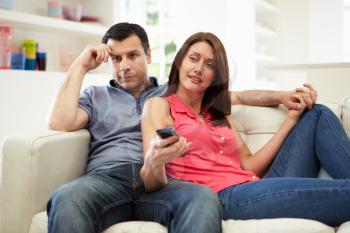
x=158, y=152
x=261, y=160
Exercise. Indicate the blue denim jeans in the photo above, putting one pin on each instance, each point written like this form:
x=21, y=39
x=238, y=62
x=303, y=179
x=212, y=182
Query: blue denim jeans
x=100, y=199
x=291, y=187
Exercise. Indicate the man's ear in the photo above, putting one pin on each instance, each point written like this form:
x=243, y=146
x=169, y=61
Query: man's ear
x=149, y=56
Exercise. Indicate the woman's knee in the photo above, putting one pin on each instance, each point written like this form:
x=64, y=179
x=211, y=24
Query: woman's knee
x=320, y=107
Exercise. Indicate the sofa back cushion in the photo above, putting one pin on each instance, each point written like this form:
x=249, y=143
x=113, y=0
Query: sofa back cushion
x=258, y=124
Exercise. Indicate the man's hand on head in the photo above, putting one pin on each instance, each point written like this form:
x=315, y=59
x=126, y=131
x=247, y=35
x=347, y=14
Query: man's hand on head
x=92, y=56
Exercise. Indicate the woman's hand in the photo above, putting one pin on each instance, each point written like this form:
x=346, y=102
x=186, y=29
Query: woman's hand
x=159, y=153
x=309, y=94
x=162, y=151
x=294, y=114
x=291, y=101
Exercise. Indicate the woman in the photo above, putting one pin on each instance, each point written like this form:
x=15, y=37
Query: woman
x=211, y=152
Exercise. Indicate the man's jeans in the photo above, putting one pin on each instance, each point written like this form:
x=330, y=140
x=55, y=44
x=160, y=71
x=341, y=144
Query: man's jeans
x=98, y=200
x=290, y=188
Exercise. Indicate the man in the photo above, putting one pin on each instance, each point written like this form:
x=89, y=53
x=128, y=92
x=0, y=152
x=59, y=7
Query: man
x=111, y=191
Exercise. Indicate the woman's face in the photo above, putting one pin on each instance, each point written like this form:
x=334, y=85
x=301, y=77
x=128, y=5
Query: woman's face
x=197, y=69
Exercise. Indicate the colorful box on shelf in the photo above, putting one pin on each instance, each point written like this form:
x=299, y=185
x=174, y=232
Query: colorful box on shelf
x=30, y=46
x=5, y=47
x=73, y=11
x=57, y=9
x=18, y=58
x=41, y=60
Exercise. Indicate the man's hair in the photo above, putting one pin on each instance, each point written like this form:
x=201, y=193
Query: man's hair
x=216, y=98
x=121, y=31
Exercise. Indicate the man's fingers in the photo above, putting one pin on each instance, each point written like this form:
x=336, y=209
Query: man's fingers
x=102, y=53
x=302, y=90
x=309, y=85
x=107, y=50
x=309, y=94
x=308, y=100
x=313, y=93
x=295, y=103
x=305, y=97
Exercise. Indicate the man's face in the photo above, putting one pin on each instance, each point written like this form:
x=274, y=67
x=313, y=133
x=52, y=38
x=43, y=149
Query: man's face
x=128, y=63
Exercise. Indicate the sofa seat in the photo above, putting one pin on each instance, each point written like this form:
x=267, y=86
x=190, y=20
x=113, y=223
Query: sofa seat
x=279, y=225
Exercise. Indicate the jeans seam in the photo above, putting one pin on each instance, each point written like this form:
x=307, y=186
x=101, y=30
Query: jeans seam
x=119, y=203
x=262, y=197
x=291, y=152
x=162, y=203
x=333, y=131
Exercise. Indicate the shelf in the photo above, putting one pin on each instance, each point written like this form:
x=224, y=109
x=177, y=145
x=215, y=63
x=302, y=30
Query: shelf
x=264, y=6
x=265, y=31
x=33, y=74
x=19, y=19
x=307, y=66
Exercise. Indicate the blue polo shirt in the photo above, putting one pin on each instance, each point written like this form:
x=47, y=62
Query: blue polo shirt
x=115, y=123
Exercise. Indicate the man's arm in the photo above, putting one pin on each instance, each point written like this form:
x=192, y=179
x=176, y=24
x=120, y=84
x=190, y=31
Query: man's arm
x=256, y=97
x=289, y=99
x=65, y=114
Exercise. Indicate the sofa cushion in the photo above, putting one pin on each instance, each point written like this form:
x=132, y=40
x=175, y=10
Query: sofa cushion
x=344, y=228
x=39, y=225
x=278, y=225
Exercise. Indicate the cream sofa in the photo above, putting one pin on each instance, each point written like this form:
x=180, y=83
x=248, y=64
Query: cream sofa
x=35, y=164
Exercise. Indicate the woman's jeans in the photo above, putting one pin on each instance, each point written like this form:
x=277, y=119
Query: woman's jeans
x=290, y=187
x=98, y=200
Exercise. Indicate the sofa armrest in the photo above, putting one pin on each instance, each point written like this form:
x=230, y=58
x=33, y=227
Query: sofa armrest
x=346, y=115
x=33, y=166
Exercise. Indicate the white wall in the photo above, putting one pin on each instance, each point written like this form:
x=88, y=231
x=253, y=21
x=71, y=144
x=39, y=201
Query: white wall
x=310, y=31
x=240, y=43
x=325, y=27
x=25, y=98
x=232, y=21
x=293, y=31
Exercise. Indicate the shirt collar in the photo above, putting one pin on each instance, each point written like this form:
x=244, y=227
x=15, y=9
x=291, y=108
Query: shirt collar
x=153, y=83
x=180, y=107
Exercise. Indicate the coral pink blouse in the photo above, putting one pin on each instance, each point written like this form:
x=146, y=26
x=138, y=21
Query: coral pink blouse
x=213, y=158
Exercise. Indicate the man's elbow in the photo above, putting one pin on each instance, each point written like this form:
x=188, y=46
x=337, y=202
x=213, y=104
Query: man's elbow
x=54, y=124
x=235, y=97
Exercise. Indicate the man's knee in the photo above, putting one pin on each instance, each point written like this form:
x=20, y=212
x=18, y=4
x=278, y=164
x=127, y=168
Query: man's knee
x=69, y=195
x=203, y=196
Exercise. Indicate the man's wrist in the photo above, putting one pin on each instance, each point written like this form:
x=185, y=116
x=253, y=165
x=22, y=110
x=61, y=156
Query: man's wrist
x=78, y=68
x=279, y=97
